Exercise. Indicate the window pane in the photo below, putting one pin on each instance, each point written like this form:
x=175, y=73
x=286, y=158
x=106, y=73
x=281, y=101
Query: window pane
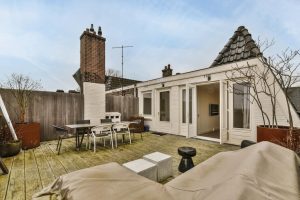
x=241, y=106
x=190, y=105
x=165, y=106
x=147, y=104
x=183, y=106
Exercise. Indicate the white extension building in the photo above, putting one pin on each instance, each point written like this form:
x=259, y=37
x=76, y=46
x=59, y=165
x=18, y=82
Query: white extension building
x=203, y=104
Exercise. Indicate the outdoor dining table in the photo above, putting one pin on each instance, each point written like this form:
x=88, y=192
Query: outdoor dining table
x=89, y=127
x=78, y=126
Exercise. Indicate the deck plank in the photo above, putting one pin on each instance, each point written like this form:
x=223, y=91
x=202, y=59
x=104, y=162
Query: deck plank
x=4, y=179
x=16, y=187
x=32, y=175
x=54, y=164
x=70, y=159
x=45, y=171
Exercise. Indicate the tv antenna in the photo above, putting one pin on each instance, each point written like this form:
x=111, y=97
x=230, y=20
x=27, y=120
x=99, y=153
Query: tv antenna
x=122, y=47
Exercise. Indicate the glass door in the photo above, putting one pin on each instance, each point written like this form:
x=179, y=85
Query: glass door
x=164, y=106
x=191, y=119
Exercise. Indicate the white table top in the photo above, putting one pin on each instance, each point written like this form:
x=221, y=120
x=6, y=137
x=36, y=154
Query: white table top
x=139, y=165
x=73, y=126
x=81, y=125
x=157, y=156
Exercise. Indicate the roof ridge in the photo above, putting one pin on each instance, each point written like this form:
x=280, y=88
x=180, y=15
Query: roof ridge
x=240, y=43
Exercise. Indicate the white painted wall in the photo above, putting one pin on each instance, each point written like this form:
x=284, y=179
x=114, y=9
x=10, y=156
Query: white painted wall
x=224, y=133
x=173, y=83
x=94, y=101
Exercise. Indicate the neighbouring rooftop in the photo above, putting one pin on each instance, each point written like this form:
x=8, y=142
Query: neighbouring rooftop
x=31, y=170
x=113, y=82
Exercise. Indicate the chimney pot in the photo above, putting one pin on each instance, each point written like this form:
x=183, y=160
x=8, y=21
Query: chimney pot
x=99, y=31
x=167, y=71
x=92, y=28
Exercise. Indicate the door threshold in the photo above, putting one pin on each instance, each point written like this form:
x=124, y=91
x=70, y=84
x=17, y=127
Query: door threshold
x=207, y=138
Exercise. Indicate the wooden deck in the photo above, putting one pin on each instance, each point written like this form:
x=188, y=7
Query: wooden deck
x=34, y=169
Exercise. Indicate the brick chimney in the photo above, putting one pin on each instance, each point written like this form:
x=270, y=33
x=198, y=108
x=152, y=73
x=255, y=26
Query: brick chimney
x=167, y=71
x=92, y=56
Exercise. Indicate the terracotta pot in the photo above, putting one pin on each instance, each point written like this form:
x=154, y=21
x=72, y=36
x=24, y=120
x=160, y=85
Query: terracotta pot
x=8, y=149
x=29, y=134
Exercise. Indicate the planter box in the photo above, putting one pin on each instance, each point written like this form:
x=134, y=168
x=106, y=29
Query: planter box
x=29, y=134
x=277, y=135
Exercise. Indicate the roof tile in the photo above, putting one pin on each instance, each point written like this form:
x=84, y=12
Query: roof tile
x=240, y=46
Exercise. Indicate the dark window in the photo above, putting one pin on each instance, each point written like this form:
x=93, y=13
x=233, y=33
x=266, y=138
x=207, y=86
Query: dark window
x=147, y=104
x=190, y=105
x=165, y=106
x=183, y=106
x=241, y=105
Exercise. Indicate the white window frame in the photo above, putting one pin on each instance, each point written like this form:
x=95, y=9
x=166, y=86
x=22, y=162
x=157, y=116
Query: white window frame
x=250, y=112
x=159, y=92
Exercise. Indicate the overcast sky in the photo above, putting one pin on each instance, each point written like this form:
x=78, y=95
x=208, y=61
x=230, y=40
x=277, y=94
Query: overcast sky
x=41, y=38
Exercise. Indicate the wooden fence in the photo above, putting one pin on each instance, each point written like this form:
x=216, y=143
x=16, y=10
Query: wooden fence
x=54, y=108
x=47, y=108
x=126, y=105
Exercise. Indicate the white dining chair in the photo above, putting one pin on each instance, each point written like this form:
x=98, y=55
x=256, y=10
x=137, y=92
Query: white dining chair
x=102, y=131
x=121, y=129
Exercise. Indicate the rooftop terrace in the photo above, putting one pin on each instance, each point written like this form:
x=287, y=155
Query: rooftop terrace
x=34, y=169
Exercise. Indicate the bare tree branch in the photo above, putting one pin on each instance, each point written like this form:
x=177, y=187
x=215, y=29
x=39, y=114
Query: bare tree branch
x=21, y=87
x=113, y=72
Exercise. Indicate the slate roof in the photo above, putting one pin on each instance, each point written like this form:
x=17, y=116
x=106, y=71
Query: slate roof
x=112, y=82
x=240, y=46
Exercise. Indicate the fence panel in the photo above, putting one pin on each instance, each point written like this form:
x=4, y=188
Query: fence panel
x=47, y=108
x=54, y=108
x=126, y=105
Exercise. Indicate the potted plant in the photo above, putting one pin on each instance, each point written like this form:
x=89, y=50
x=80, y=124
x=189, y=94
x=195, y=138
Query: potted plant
x=266, y=81
x=8, y=146
x=21, y=88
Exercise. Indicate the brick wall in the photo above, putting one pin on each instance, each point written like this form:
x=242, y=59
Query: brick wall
x=92, y=56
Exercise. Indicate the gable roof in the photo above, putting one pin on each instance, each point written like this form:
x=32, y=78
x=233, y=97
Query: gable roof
x=240, y=46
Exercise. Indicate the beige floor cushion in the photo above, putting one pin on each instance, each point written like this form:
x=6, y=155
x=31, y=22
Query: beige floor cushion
x=110, y=181
x=261, y=171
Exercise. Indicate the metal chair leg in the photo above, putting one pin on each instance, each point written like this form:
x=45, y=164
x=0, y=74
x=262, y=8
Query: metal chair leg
x=116, y=140
x=111, y=141
x=87, y=141
x=59, y=146
x=81, y=141
x=129, y=138
x=94, y=144
x=57, y=143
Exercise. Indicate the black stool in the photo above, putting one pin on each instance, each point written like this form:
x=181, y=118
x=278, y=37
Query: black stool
x=246, y=143
x=186, y=162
